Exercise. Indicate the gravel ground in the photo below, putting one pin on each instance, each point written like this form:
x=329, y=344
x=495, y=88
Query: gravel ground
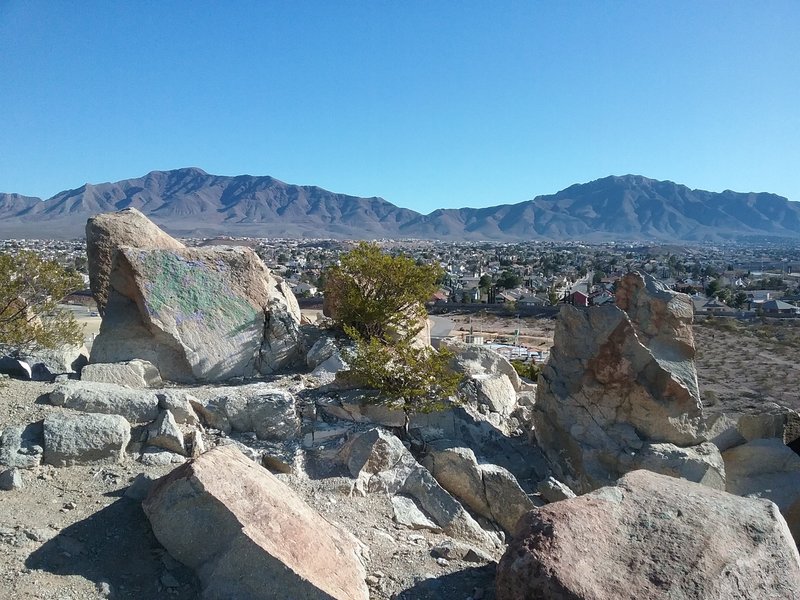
x=70, y=533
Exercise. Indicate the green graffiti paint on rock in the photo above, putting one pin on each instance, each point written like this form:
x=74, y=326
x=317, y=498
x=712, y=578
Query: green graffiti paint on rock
x=193, y=290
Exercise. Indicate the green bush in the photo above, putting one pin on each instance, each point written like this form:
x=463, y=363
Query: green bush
x=30, y=290
x=379, y=295
x=408, y=377
x=378, y=300
x=527, y=370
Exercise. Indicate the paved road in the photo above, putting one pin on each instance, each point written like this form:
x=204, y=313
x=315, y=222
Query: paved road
x=580, y=285
x=441, y=326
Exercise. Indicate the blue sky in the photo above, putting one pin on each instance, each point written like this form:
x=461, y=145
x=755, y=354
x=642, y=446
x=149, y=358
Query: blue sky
x=426, y=103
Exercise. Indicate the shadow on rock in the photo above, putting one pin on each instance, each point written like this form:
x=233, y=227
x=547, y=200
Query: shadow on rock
x=473, y=583
x=115, y=546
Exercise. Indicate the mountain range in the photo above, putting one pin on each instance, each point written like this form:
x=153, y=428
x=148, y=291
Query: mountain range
x=192, y=203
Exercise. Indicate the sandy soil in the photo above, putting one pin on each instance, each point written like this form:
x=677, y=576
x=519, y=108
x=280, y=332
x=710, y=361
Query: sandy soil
x=534, y=333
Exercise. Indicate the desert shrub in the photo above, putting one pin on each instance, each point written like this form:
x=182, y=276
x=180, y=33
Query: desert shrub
x=528, y=370
x=378, y=300
x=379, y=295
x=411, y=378
x=30, y=290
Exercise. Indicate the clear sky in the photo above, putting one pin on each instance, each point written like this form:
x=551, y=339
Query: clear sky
x=426, y=103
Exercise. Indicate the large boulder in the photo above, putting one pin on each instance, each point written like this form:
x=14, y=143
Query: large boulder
x=85, y=439
x=247, y=535
x=735, y=423
x=477, y=362
x=489, y=490
x=619, y=377
x=198, y=314
x=651, y=536
x=137, y=406
x=108, y=232
x=765, y=468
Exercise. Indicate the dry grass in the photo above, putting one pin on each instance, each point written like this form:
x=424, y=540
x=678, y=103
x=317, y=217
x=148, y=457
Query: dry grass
x=758, y=361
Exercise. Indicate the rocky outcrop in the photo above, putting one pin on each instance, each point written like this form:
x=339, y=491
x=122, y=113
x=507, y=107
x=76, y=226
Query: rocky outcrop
x=381, y=463
x=651, y=536
x=247, y=535
x=133, y=373
x=108, y=232
x=619, y=378
x=85, y=439
x=197, y=314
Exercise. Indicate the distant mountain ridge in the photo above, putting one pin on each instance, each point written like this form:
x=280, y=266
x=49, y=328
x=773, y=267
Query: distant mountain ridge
x=191, y=202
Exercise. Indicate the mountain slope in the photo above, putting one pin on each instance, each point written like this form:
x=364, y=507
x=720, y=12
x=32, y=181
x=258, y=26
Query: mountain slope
x=193, y=202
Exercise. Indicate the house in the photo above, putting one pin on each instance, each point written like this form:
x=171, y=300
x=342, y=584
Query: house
x=577, y=298
x=601, y=297
x=304, y=289
x=532, y=300
x=779, y=307
x=716, y=307
x=504, y=297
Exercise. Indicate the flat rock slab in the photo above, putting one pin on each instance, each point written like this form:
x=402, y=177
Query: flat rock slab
x=85, y=439
x=247, y=535
x=651, y=536
x=133, y=373
x=137, y=406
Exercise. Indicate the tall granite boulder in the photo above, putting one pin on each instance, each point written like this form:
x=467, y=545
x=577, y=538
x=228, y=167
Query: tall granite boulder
x=108, y=232
x=621, y=378
x=197, y=314
x=248, y=535
x=651, y=536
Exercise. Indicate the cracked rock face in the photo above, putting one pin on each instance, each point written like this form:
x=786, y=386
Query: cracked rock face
x=197, y=314
x=619, y=378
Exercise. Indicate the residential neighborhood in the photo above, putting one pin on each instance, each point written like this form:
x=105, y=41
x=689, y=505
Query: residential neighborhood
x=735, y=279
